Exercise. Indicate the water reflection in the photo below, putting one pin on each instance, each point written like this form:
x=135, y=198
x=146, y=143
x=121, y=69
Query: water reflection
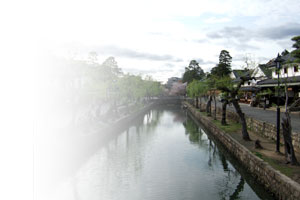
x=197, y=136
x=162, y=155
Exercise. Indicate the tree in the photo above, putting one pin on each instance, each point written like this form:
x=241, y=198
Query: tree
x=250, y=62
x=178, y=89
x=197, y=89
x=287, y=130
x=113, y=66
x=93, y=57
x=215, y=83
x=211, y=84
x=296, y=45
x=193, y=71
x=227, y=86
x=224, y=66
x=287, y=137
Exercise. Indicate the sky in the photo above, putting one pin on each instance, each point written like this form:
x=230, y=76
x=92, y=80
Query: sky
x=157, y=37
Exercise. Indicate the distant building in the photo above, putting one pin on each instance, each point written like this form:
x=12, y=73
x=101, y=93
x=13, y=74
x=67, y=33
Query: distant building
x=249, y=88
x=171, y=81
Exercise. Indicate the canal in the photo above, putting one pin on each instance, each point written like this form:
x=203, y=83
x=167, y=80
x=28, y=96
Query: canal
x=163, y=154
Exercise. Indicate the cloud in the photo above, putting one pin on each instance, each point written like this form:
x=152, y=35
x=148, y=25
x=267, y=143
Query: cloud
x=215, y=20
x=164, y=68
x=242, y=45
x=228, y=32
x=129, y=53
x=236, y=37
x=201, y=41
x=241, y=33
x=203, y=62
x=280, y=32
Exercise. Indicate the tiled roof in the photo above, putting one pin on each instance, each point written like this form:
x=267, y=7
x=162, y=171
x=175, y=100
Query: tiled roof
x=266, y=70
x=249, y=89
x=240, y=72
x=285, y=58
x=294, y=79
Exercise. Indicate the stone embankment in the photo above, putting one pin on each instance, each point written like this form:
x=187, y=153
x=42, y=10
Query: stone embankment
x=280, y=185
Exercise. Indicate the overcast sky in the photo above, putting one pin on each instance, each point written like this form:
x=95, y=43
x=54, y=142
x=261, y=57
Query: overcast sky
x=160, y=37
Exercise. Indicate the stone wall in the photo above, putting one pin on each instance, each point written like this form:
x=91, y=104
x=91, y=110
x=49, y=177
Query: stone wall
x=265, y=129
x=280, y=185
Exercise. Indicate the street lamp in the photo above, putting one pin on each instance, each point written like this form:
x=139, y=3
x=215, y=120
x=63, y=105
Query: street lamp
x=278, y=61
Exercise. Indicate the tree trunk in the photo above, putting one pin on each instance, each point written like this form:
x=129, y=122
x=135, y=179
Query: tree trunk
x=215, y=114
x=224, y=106
x=242, y=119
x=200, y=103
x=197, y=106
x=288, y=145
x=208, y=106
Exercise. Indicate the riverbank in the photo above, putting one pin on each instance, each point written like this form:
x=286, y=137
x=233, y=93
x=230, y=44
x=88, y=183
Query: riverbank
x=262, y=164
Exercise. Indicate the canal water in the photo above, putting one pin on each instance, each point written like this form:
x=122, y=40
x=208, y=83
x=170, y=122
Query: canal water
x=165, y=155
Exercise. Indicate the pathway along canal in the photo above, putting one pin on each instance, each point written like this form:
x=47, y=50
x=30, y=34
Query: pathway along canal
x=164, y=155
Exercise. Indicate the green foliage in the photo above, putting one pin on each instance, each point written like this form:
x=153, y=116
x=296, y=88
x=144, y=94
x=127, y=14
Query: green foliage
x=268, y=92
x=90, y=81
x=296, y=39
x=296, y=45
x=225, y=58
x=225, y=81
x=197, y=88
x=132, y=88
x=224, y=66
x=192, y=130
x=193, y=72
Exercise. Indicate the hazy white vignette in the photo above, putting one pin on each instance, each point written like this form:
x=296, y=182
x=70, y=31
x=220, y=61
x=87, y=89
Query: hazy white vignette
x=65, y=64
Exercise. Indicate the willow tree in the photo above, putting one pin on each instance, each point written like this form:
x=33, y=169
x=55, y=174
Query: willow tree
x=211, y=84
x=192, y=91
x=196, y=89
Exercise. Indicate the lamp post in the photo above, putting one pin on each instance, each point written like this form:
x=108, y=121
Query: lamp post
x=278, y=61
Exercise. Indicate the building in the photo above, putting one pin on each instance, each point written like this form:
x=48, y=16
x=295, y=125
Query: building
x=171, y=81
x=289, y=76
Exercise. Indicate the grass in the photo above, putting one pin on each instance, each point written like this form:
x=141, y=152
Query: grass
x=232, y=127
x=258, y=154
x=283, y=169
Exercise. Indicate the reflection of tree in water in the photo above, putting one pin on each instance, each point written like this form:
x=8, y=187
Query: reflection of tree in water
x=179, y=117
x=201, y=139
x=191, y=129
x=212, y=149
x=229, y=180
x=239, y=188
x=148, y=121
x=135, y=137
x=196, y=136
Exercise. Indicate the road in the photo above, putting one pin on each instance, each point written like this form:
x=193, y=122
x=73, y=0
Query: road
x=268, y=115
